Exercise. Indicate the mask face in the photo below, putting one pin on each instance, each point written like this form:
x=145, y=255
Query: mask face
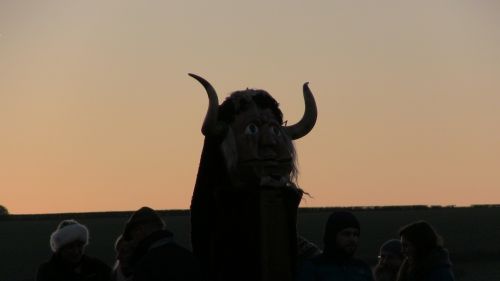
x=264, y=152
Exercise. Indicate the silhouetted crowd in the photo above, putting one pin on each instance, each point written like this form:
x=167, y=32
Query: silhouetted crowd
x=418, y=255
x=146, y=251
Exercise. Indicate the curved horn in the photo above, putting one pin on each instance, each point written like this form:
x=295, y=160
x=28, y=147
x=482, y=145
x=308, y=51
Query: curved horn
x=210, y=127
x=306, y=124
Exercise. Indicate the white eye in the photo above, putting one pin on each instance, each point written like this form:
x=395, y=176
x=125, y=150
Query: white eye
x=275, y=130
x=251, y=129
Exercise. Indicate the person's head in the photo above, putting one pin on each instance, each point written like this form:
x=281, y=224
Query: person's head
x=418, y=239
x=391, y=254
x=341, y=235
x=141, y=224
x=68, y=241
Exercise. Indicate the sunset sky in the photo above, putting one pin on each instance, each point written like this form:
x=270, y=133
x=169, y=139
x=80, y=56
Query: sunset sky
x=97, y=112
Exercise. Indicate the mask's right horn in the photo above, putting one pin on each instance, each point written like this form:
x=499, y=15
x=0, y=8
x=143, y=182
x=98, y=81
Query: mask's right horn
x=306, y=124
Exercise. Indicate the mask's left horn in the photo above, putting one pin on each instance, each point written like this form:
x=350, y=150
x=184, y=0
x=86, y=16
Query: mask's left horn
x=210, y=126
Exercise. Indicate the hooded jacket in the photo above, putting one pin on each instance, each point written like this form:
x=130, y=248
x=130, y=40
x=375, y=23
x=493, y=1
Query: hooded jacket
x=334, y=264
x=434, y=267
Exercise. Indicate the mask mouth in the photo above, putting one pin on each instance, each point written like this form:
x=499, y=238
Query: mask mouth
x=266, y=161
x=274, y=180
x=276, y=177
x=270, y=172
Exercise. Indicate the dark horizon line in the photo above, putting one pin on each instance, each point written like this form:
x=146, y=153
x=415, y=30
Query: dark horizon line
x=182, y=212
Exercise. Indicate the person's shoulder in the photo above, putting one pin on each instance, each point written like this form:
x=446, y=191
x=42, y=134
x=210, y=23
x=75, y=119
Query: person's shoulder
x=441, y=266
x=166, y=262
x=46, y=270
x=171, y=254
x=442, y=273
x=360, y=263
x=43, y=269
x=93, y=260
x=317, y=263
x=308, y=262
x=307, y=270
x=362, y=269
x=173, y=248
x=318, y=260
x=96, y=263
x=44, y=265
x=47, y=265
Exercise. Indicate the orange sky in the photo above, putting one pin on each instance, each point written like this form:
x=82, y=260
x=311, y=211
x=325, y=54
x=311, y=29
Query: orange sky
x=97, y=112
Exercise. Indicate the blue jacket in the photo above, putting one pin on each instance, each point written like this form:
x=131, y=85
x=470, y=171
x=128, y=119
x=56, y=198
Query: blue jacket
x=322, y=268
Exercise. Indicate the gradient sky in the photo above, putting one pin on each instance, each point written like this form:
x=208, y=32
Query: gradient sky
x=97, y=112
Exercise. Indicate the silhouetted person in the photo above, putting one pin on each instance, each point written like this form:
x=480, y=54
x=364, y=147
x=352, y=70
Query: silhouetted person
x=306, y=249
x=426, y=259
x=69, y=262
x=122, y=271
x=156, y=257
x=337, y=262
x=389, y=261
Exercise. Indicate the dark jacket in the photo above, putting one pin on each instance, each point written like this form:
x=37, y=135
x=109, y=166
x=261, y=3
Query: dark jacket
x=434, y=267
x=324, y=268
x=56, y=270
x=159, y=258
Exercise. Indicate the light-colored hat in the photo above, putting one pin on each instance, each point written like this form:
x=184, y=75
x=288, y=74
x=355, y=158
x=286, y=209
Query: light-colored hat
x=68, y=231
x=392, y=246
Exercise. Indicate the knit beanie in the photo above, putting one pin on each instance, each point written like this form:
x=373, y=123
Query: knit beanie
x=144, y=215
x=68, y=231
x=392, y=246
x=336, y=223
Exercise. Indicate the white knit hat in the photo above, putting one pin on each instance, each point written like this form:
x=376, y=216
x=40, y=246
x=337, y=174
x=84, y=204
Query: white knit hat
x=68, y=231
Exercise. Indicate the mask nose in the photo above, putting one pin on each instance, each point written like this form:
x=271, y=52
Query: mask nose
x=268, y=136
x=268, y=142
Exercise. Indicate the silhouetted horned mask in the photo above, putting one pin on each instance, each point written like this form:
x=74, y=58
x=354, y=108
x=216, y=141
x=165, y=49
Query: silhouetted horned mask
x=257, y=147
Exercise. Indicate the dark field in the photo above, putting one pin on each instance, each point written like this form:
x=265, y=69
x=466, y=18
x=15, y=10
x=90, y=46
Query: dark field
x=471, y=234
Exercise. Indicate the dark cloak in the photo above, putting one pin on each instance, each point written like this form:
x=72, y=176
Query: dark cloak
x=247, y=233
